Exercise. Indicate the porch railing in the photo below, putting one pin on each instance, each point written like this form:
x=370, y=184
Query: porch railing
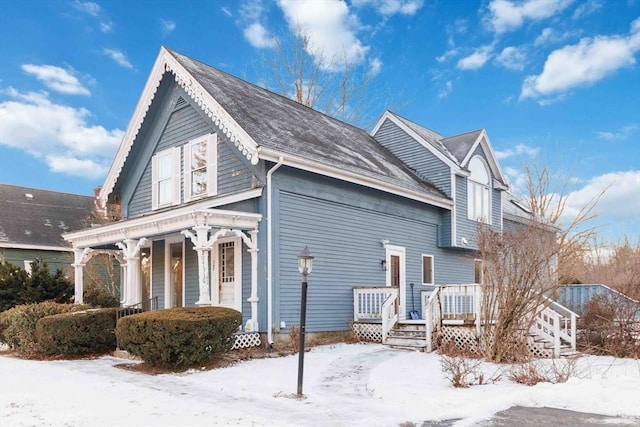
x=389, y=314
x=555, y=323
x=431, y=312
x=150, y=304
x=368, y=301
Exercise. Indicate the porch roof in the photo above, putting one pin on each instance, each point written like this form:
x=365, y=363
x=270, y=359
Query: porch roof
x=162, y=223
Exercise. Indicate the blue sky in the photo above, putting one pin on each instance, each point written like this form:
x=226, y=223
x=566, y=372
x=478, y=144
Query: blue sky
x=556, y=83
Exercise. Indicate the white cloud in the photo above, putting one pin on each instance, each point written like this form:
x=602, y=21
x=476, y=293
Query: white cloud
x=56, y=78
x=512, y=58
x=119, y=57
x=330, y=27
x=507, y=15
x=106, y=27
x=620, y=198
x=477, y=59
x=226, y=11
x=623, y=133
x=549, y=35
x=392, y=7
x=375, y=66
x=167, y=26
x=446, y=90
x=582, y=64
x=258, y=36
x=517, y=150
x=587, y=8
x=447, y=55
x=88, y=7
x=59, y=134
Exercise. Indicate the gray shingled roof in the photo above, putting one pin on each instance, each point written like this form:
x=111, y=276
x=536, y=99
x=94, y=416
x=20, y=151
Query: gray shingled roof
x=460, y=145
x=281, y=124
x=430, y=136
x=30, y=216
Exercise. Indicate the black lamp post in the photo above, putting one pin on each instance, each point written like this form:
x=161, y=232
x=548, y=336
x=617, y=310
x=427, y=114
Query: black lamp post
x=305, y=263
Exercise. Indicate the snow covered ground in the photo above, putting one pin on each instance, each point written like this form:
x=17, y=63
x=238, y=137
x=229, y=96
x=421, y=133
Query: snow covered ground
x=345, y=385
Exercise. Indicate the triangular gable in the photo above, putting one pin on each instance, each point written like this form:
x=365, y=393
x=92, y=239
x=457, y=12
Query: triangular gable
x=424, y=136
x=166, y=62
x=485, y=144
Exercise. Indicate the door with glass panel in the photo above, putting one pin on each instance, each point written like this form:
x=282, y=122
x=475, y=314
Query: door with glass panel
x=228, y=274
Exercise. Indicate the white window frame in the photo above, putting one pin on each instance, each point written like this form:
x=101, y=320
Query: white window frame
x=479, y=195
x=168, y=241
x=211, y=141
x=174, y=154
x=432, y=282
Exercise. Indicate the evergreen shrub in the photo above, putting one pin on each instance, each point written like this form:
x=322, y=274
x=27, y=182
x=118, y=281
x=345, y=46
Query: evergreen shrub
x=18, y=325
x=89, y=331
x=178, y=337
x=97, y=295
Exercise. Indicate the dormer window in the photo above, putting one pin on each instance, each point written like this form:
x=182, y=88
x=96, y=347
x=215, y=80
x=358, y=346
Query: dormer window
x=200, y=167
x=479, y=191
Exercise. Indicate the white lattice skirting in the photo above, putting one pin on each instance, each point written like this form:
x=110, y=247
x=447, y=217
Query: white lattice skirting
x=368, y=331
x=246, y=340
x=465, y=338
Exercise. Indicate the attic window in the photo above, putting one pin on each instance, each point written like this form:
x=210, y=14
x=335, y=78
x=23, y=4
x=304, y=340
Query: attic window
x=29, y=196
x=479, y=191
x=165, y=174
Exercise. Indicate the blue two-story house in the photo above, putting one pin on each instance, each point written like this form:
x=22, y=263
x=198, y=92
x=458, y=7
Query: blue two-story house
x=221, y=184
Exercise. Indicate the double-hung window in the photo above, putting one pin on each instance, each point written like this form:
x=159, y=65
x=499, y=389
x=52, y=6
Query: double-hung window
x=478, y=192
x=200, y=177
x=165, y=175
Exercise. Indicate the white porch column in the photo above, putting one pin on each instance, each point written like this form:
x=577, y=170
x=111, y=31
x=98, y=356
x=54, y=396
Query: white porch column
x=79, y=261
x=252, y=324
x=202, y=246
x=130, y=251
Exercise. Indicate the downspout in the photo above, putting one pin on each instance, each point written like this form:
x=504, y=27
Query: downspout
x=270, y=253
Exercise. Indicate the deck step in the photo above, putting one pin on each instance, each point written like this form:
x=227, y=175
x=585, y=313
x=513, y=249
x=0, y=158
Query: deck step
x=406, y=342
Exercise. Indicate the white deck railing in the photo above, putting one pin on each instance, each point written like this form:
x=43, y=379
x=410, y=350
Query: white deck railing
x=368, y=301
x=556, y=325
x=431, y=314
x=389, y=314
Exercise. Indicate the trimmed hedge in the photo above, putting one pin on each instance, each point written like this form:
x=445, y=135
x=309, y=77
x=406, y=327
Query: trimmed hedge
x=178, y=337
x=89, y=331
x=18, y=325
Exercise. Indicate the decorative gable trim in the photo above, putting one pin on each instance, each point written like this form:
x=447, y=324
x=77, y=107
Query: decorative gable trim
x=483, y=141
x=166, y=62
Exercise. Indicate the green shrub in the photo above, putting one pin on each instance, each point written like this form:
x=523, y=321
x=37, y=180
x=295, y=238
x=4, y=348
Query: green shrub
x=18, y=325
x=178, y=337
x=97, y=295
x=18, y=287
x=89, y=331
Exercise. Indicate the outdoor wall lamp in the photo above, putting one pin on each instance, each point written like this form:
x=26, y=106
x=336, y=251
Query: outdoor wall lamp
x=383, y=264
x=305, y=265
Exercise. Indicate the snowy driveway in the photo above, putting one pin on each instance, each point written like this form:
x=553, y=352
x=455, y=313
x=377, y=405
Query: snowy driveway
x=345, y=385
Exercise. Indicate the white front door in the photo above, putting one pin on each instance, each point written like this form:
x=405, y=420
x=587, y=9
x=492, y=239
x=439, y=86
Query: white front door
x=396, y=275
x=227, y=273
x=174, y=272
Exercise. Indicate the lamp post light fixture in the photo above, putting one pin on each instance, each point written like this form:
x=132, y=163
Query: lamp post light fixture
x=305, y=264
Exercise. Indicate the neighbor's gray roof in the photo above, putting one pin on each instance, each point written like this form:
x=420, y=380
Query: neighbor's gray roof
x=30, y=216
x=281, y=124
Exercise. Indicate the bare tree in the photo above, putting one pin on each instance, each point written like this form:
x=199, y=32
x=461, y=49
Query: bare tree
x=520, y=264
x=332, y=84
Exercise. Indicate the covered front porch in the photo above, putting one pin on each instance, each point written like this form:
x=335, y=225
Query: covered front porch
x=453, y=313
x=180, y=257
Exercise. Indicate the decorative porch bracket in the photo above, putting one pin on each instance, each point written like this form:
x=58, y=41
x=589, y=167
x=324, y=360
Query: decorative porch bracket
x=203, y=244
x=131, y=289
